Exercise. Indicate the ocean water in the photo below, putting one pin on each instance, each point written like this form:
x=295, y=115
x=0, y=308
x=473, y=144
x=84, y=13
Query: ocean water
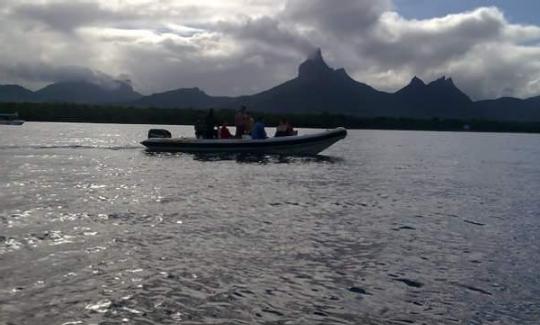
x=385, y=227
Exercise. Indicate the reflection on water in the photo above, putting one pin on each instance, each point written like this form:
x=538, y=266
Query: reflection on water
x=254, y=158
x=69, y=147
x=248, y=157
x=383, y=228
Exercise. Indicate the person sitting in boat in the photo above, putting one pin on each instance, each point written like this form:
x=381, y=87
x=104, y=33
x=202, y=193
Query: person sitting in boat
x=284, y=129
x=224, y=132
x=240, y=122
x=258, y=132
x=210, y=125
x=249, y=124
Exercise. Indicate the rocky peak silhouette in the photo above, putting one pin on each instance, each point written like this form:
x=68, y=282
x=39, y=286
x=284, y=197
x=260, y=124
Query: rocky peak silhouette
x=314, y=67
x=318, y=88
x=417, y=82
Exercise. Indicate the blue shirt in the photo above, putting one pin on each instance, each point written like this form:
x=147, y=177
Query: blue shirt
x=258, y=132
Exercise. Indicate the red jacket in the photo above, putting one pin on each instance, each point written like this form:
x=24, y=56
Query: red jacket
x=224, y=133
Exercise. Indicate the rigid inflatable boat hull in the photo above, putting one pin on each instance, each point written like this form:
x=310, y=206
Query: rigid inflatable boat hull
x=310, y=144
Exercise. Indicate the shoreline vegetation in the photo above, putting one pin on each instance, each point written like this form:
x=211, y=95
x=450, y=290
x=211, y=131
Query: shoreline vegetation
x=67, y=112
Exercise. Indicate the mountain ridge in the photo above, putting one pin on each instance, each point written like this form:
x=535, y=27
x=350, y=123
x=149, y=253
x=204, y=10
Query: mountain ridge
x=317, y=88
x=80, y=92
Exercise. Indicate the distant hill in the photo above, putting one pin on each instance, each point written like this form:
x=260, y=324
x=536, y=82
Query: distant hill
x=86, y=92
x=182, y=98
x=439, y=98
x=15, y=93
x=317, y=88
x=509, y=109
x=81, y=92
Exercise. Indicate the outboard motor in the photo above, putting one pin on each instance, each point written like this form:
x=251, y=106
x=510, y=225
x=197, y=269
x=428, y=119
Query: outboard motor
x=159, y=133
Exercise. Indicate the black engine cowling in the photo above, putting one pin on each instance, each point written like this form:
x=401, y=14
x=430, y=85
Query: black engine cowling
x=159, y=133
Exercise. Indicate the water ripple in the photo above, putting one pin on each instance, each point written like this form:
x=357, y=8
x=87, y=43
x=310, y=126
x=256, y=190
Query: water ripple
x=385, y=228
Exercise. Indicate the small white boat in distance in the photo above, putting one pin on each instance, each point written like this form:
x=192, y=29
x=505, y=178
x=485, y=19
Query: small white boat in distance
x=10, y=119
x=309, y=144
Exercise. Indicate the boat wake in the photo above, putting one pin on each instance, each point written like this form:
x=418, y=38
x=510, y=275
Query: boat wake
x=75, y=146
x=249, y=158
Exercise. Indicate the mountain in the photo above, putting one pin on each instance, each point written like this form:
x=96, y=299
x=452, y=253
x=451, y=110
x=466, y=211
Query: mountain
x=318, y=88
x=509, y=109
x=442, y=90
x=438, y=98
x=81, y=92
x=87, y=93
x=15, y=93
x=183, y=98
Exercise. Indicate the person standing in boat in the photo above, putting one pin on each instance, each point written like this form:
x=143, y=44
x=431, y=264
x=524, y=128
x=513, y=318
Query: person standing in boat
x=210, y=125
x=240, y=122
x=200, y=129
x=258, y=132
x=249, y=124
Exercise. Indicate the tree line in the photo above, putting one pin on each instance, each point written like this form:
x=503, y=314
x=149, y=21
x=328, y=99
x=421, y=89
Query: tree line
x=67, y=112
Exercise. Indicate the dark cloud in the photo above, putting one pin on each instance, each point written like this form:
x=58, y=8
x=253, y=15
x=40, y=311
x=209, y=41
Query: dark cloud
x=45, y=73
x=343, y=17
x=244, y=46
x=230, y=73
x=496, y=70
x=66, y=16
x=267, y=32
x=449, y=45
x=424, y=45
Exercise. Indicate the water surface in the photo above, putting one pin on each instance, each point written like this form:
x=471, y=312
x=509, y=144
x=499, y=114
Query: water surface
x=386, y=227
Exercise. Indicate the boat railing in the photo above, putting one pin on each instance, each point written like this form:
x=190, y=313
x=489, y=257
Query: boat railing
x=9, y=116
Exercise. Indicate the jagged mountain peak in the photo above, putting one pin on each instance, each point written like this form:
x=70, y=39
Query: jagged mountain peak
x=416, y=84
x=437, y=93
x=316, y=55
x=314, y=66
x=443, y=81
x=415, y=81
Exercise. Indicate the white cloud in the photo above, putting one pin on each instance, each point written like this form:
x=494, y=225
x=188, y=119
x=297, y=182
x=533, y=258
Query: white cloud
x=485, y=54
x=243, y=46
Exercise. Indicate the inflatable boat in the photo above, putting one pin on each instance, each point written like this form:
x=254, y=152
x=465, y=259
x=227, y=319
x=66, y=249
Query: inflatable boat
x=10, y=119
x=309, y=144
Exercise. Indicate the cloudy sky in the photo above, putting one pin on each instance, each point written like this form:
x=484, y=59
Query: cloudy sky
x=490, y=48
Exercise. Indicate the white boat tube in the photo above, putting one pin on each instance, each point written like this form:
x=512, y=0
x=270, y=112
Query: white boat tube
x=309, y=144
